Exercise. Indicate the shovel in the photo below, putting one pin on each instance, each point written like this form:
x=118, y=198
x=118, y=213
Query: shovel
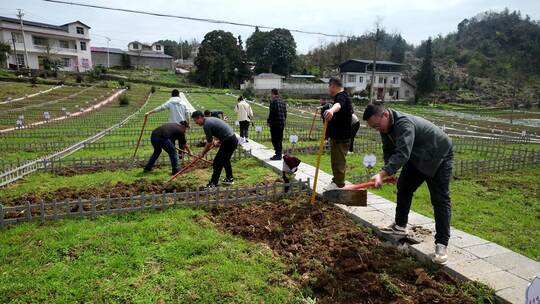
x=352, y=195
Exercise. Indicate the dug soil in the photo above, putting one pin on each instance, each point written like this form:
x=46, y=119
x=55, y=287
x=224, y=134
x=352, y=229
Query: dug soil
x=333, y=257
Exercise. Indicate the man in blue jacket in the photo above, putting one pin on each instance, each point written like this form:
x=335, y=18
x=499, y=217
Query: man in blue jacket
x=423, y=152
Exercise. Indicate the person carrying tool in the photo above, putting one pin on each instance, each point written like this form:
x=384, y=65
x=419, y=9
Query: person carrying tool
x=225, y=139
x=178, y=110
x=355, y=123
x=423, y=152
x=214, y=113
x=277, y=116
x=339, y=118
x=245, y=113
x=163, y=138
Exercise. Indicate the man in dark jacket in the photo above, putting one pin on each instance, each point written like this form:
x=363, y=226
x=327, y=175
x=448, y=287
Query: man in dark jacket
x=163, y=138
x=339, y=132
x=423, y=152
x=276, y=120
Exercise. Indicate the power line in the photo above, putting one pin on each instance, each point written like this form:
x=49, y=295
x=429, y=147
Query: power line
x=193, y=18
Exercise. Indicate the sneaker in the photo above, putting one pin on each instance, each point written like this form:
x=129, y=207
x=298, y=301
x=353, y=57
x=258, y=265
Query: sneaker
x=275, y=157
x=440, y=257
x=228, y=181
x=395, y=229
x=350, y=152
x=332, y=186
x=210, y=187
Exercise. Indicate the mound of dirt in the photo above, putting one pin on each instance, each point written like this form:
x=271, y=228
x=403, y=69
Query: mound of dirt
x=339, y=261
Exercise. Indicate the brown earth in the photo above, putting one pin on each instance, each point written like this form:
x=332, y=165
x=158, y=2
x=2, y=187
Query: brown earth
x=335, y=258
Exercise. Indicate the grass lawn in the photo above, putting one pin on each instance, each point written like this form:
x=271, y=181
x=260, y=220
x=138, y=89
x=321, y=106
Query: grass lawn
x=167, y=257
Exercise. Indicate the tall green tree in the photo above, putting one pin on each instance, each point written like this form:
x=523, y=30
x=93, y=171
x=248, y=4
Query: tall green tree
x=397, y=52
x=425, y=79
x=219, y=60
x=273, y=51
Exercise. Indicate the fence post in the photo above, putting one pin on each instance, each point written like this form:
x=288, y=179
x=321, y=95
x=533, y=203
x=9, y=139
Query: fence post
x=93, y=208
x=28, y=212
x=41, y=211
x=1, y=216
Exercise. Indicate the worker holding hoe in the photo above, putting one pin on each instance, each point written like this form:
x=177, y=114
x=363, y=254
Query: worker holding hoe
x=218, y=133
x=339, y=132
x=178, y=110
x=423, y=152
x=163, y=138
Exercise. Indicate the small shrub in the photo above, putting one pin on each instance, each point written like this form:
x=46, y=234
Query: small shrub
x=33, y=81
x=78, y=79
x=123, y=100
x=152, y=89
x=248, y=92
x=121, y=82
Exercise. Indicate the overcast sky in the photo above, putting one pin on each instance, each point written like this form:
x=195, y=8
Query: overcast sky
x=414, y=19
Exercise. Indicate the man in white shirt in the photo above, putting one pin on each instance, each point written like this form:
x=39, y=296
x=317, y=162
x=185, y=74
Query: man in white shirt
x=243, y=109
x=178, y=110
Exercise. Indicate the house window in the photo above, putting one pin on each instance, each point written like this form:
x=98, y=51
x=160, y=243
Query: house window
x=85, y=63
x=351, y=78
x=395, y=80
x=158, y=47
x=16, y=37
x=20, y=59
x=64, y=44
x=66, y=62
x=361, y=79
x=83, y=46
x=380, y=79
x=80, y=30
x=39, y=41
x=135, y=46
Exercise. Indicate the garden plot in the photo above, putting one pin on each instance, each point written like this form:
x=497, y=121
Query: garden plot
x=31, y=143
x=18, y=90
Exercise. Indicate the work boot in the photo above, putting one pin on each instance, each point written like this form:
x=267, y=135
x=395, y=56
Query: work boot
x=440, y=256
x=331, y=186
x=395, y=229
x=275, y=157
x=228, y=181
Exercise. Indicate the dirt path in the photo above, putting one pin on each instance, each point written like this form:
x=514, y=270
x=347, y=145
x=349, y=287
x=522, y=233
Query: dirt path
x=339, y=261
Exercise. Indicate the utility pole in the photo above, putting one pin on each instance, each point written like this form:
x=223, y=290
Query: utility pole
x=374, y=64
x=20, y=15
x=14, y=51
x=108, y=63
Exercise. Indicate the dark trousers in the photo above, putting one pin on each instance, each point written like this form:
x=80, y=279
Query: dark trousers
x=355, y=128
x=244, y=127
x=410, y=179
x=223, y=159
x=162, y=144
x=276, y=133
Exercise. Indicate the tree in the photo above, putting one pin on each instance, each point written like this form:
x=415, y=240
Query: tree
x=425, y=79
x=397, y=52
x=5, y=49
x=219, y=60
x=273, y=51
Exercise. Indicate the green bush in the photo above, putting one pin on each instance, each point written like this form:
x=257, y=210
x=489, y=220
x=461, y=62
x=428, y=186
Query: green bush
x=248, y=92
x=123, y=100
x=152, y=89
x=78, y=79
x=121, y=82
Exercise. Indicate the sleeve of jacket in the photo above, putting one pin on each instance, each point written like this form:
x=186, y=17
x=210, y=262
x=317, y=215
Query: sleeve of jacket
x=387, y=147
x=271, y=110
x=250, y=111
x=404, y=144
x=162, y=107
x=236, y=108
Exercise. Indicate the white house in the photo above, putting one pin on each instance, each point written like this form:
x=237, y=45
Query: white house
x=356, y=74
x=70, y=43
x=136, y=46
x=267, y=81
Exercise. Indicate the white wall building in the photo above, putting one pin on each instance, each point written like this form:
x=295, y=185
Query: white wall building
x=356, y=74
x=267, y=81
x=70, y=43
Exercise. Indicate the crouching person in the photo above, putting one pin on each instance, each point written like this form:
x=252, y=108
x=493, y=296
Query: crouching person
x=423, y=152
x=163, y=138
x=227, y=142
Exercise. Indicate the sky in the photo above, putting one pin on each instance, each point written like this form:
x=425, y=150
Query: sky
x=415, y=20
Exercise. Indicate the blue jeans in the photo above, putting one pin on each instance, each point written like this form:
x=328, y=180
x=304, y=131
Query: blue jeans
x=159, y=144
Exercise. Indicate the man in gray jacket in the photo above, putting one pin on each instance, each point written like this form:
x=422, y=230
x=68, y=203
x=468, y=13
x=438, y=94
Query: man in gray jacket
x=423, y=152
